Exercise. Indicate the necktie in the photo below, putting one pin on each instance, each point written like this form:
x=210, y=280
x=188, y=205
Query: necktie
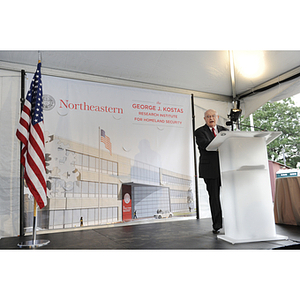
x=214, y=132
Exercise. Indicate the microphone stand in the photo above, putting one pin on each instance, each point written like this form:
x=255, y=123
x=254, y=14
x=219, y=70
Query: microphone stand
x=250, y=126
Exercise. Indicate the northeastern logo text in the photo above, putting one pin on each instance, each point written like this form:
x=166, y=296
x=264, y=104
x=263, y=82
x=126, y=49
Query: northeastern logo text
x=87, y=107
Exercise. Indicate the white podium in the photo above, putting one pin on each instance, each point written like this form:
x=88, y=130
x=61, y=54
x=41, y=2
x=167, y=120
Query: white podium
x=246, y=189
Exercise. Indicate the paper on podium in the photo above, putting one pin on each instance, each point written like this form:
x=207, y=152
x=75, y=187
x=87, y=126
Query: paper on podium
x=254, y=167
x=224, y=135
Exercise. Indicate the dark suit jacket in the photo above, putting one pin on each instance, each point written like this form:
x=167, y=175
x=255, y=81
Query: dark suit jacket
x=209, y=160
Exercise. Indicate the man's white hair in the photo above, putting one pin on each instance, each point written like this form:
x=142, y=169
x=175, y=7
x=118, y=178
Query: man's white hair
x=212, y=110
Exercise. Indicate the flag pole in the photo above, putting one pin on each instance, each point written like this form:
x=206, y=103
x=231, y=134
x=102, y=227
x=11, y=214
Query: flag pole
x=36, y=97
x=34, y=223
x=22, y=100
x=34, y=243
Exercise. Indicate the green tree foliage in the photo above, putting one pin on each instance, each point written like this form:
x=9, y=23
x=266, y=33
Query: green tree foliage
x=281, y=116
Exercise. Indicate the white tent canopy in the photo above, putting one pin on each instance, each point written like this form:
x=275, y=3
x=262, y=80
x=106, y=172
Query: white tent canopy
x=206, y=74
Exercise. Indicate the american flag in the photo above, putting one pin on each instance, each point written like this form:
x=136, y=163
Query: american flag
x=106, y=140
x=30, y=132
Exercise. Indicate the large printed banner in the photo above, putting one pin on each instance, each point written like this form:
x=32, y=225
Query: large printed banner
x=148, y=126
x=100, y=138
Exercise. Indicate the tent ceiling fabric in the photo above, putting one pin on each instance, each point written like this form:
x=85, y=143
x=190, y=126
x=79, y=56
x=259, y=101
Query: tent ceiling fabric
x=195, y=71
x=180, y=69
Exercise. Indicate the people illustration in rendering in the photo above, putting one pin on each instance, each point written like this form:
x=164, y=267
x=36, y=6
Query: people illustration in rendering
x=209, y=168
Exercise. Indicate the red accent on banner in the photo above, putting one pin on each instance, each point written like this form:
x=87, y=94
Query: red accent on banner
x=127, y=210
x=126, y=202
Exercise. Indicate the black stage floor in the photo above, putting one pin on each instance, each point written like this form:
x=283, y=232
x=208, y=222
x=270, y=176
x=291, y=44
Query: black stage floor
x=180, y=234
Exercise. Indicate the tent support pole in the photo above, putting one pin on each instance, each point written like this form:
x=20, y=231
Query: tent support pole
x=232, y=75
x=21, y=166
x=195, y=159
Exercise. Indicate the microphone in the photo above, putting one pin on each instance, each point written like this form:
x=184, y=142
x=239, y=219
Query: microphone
x=251, y=126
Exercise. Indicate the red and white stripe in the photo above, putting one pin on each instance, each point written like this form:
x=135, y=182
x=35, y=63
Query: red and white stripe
x=107, y=143
x=33, y=155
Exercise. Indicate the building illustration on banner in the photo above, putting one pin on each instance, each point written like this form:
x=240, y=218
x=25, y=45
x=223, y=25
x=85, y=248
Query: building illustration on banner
x=102, y=142
x=86, y=184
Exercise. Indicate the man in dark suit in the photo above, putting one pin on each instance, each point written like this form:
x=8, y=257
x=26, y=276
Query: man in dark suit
x=209, y=168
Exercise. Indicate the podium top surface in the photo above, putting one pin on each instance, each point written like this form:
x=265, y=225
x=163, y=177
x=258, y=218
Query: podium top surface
x=224, y=135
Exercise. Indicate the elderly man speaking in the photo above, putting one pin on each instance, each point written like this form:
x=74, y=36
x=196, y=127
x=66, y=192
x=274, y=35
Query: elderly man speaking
x=209, y=168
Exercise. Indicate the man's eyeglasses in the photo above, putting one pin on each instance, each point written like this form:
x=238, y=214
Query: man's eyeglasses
x=213, y=116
